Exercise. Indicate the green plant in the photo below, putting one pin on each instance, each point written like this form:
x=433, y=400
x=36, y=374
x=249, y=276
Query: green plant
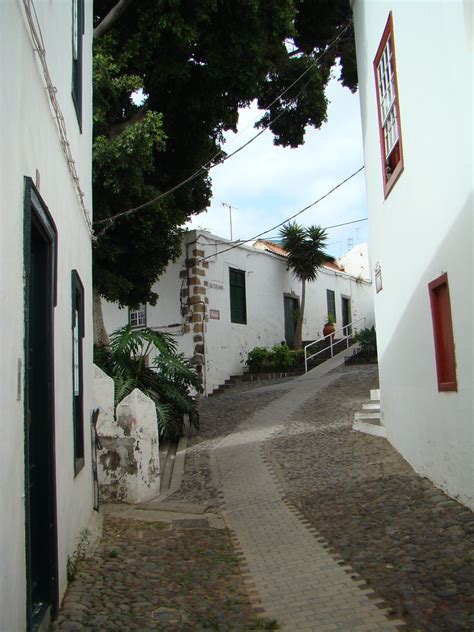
x=257, y=358
x=168, y=382
x=367, y=340
x=73, y=560
x=281, y=358
x=330, y=320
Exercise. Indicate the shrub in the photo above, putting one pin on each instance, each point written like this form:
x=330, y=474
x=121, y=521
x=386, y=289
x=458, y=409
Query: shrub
x=169, y=383
x=367, y=340
x=279, y=358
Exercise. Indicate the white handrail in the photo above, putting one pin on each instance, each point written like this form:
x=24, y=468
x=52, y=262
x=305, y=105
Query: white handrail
x=347, y=332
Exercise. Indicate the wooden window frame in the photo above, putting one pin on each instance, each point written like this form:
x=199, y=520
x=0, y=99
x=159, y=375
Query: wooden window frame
x=137, y=311
x=76, y=50
x=392, y=165
x=78, y=331
x=238, y=314
x=443, y=334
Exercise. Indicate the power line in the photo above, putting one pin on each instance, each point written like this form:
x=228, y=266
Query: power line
x=245, y=241
x=210, y=164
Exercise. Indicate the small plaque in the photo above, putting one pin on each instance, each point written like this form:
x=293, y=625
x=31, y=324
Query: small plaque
x=378, y=277
x=214, y=314
x=216, y=286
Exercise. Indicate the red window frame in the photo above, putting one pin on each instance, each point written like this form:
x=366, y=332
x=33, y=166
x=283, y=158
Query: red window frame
x=443, y=334
x=392, y=165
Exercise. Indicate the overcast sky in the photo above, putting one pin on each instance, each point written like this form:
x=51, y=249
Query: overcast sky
x=267, y=184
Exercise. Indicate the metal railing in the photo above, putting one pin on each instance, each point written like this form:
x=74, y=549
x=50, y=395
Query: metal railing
x=347, y=330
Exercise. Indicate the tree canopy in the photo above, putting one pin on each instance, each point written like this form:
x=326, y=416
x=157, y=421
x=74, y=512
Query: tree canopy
x=196, y=62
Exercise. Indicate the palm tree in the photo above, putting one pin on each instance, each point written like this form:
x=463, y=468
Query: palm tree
x=305, y=258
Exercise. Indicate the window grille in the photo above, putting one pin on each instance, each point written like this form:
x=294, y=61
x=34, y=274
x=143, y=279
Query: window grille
x=137, y=317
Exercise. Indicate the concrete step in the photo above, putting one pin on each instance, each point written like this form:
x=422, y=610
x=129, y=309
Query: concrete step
x=371, y=418
x=375, y=406
x=370, y=428
x=375, y=394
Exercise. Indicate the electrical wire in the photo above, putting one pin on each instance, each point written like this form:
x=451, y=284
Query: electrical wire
x=265, y=232
x=40, y=50
x=211, y=163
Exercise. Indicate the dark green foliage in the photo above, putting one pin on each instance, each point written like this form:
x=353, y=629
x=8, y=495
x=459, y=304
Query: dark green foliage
x=197, y=63
x=279, y=358
x=367, y=339
x=168, y=382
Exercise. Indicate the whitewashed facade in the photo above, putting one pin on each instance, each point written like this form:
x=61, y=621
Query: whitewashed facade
x=421, y=230
x=45, y=274
x=195, y=303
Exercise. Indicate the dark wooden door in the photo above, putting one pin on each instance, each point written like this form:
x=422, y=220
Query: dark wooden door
x=39, y=440
x=291, y=308
x=346, y=316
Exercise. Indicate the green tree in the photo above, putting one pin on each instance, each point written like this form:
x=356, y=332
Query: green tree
x=195, y=63
x=305, y=258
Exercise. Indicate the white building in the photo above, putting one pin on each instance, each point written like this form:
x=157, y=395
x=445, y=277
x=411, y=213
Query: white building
x=222, y=301
x=415, y=65
x=45, y=314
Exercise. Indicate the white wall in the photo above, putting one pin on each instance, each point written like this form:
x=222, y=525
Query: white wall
x=267, y=281
x=423, y=229
x=30, y=143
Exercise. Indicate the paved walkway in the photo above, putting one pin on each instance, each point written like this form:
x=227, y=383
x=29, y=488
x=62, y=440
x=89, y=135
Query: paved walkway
x=296, y=580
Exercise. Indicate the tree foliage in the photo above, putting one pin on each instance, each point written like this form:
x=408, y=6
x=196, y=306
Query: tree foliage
x=306, y=256
x=169, y=381
x=197, y=62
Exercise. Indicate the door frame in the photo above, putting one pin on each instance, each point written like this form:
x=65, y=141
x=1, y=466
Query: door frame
x=36, y=213
x=347, y=331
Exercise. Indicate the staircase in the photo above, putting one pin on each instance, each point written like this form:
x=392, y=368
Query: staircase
x=369, y=421
x=235, y=380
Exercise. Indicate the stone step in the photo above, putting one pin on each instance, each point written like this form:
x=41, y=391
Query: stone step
x=375, y=406
x=370, y=428
x=375, y=394
x=372, y=418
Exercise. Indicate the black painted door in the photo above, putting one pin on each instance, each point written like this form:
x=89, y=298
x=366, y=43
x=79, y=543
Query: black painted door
x=40, y=506
x=346, y=316
x=291, y=308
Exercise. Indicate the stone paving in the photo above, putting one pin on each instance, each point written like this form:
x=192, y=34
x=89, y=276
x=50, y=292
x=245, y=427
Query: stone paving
x=325, y=521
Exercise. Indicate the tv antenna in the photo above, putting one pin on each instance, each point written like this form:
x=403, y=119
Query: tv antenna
x=230, y=215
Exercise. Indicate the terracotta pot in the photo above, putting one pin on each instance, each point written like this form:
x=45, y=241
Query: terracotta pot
x=328, y=329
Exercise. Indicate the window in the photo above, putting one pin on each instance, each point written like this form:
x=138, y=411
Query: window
x=443, y=334
x=388, y=106
x=238, y=305
x=137, y=317
x=77, y=369
x=77, y=34
x=331, y=300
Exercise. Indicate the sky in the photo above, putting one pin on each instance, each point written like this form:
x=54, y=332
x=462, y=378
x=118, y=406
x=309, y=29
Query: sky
x=266, y=184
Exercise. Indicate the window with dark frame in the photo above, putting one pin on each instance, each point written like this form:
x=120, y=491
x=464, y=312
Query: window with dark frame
x=77, y=35
x=77, y=368
x=443, y=334
x=388, y=108
x=137, y=317
x=238, y=304
x=331, y=301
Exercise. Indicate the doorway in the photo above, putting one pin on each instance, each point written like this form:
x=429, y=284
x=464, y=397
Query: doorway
x=40, y=486
x=346, y=315
x=291, y=318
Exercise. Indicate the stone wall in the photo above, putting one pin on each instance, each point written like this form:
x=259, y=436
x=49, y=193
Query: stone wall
x=128, y=461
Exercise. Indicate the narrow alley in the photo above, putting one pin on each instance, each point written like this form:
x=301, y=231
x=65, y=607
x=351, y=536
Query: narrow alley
x=285, y=519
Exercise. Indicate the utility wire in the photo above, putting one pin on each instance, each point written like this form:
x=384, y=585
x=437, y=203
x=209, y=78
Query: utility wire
x=265, y=232
x=211, y=163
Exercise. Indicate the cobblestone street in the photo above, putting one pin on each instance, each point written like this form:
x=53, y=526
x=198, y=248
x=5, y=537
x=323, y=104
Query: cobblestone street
x=393, y=551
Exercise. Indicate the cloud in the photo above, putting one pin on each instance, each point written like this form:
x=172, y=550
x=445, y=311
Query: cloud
x=267, y=183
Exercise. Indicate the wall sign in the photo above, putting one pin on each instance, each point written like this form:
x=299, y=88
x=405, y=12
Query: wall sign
x=216, y=286
x=378, y=277
x=214, y=314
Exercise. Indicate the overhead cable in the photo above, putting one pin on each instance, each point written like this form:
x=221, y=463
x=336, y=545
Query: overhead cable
x=211, y=163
